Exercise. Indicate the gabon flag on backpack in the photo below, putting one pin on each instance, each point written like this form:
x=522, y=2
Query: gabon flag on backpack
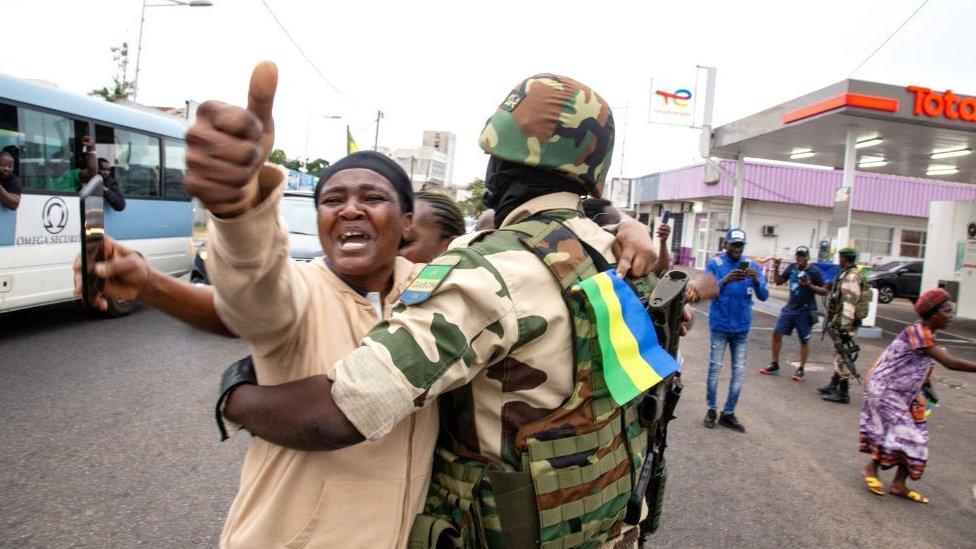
x=633, y=360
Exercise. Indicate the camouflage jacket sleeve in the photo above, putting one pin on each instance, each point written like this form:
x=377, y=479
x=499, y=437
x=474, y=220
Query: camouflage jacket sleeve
x=258, y=291
x=850, y=292
x=423, y=350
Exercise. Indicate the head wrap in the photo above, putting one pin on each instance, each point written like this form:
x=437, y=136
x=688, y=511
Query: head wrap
x=376, y=162
x=509, y=185
x=446, y=211
x=929, y=303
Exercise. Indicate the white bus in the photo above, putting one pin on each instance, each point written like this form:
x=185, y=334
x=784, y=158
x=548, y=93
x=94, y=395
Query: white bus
x=42, y=128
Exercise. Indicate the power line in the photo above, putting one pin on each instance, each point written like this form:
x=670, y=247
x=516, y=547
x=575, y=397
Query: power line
x=745, y=180
x=301, y=51
x=789, y=199
x=890, y=36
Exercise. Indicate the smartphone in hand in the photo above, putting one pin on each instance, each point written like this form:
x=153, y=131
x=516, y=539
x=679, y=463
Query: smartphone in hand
x=92, y=238
x=665, y=217
x=743, y=265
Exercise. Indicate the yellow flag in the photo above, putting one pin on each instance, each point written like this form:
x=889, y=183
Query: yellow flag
x=351, y=146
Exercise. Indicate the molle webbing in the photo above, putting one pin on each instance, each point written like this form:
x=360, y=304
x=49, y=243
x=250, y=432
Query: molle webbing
x=575, y=477
x=548, y=449
x=582, y=476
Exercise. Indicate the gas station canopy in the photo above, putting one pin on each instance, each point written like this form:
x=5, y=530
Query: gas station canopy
x=910, y=131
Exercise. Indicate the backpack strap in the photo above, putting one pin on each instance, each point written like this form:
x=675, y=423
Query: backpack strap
x=565, y=254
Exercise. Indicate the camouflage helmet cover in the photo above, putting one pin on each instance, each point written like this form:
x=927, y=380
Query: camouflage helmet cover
x=554, y=122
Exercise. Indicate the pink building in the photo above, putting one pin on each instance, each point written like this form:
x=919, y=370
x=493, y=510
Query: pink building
x=785, y=207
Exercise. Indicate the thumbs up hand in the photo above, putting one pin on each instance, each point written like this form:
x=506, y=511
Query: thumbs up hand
x=227, y=146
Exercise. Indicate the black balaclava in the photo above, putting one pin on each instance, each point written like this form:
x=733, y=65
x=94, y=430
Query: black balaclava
x=509, y=185
x=374, y=162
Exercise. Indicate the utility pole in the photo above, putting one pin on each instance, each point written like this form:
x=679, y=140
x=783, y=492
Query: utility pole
x=142, y=23
x=376, y=138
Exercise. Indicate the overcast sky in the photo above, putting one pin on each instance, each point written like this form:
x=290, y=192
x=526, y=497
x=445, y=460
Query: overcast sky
x=447, y=65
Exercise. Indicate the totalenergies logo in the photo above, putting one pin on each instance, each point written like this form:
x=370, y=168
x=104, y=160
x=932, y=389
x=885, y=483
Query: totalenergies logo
x=946, y=104
x=678, y=98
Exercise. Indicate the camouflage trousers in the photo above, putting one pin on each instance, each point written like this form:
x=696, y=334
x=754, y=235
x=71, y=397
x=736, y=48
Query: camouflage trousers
x=839, y=368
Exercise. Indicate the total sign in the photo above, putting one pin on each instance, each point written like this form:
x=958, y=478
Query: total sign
x=672, y=103
x=942, y=104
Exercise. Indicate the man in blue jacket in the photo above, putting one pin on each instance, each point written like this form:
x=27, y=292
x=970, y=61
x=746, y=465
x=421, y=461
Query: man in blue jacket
x=729, y=318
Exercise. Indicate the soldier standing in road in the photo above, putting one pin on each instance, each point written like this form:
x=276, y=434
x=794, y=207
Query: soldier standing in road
x=488, y=329
x=842, y=314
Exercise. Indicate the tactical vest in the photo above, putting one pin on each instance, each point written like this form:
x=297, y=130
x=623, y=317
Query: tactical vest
x=835, y=307
x=578, y=465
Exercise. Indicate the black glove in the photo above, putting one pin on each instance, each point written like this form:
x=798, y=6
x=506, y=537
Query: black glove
x=237, y=374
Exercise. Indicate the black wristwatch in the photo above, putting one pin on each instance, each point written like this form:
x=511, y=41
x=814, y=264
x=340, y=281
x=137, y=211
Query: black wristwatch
x=237, y=374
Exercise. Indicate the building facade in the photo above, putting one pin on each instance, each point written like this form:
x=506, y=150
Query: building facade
x=785, y=207
x=950, y=255
x=443, y=142
x=430, y=166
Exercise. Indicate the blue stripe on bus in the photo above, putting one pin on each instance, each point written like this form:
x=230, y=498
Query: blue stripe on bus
x=149, y=219
x=8, y=226
x=77, y=105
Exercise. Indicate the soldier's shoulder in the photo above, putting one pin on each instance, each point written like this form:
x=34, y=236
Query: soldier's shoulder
x=468, y=266
x=488, y=243
x=466, y=239
x=500, y=252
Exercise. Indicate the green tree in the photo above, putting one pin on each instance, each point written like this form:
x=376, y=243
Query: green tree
x=295, y=164
x=474, y=204
x=315, y=167
x=122, y=89
x=279, y=157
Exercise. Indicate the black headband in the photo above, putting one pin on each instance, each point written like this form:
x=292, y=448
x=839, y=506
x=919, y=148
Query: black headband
x=373, y=161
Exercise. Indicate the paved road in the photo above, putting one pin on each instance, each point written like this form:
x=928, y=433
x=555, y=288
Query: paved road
x=793, y=479
x=122, y=452
x=107, y=431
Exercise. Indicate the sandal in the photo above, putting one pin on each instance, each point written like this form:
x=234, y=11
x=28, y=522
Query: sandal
x=875, y=486
x=912, y=495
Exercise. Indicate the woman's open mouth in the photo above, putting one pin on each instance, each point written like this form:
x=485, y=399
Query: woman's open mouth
x=353, y=240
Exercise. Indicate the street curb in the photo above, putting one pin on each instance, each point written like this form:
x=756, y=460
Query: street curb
x=773, y=307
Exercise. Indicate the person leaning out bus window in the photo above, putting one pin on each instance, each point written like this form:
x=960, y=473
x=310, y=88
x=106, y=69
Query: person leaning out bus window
x=110, y=187
x=73, y=179
x=10, y=187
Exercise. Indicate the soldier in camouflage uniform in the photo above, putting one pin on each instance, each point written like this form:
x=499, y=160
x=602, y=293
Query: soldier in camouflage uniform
x=841, y=314
x=488, y=329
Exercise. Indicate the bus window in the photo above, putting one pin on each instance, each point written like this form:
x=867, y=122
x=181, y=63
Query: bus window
x=134, y=158
x=175, y=170
x=9, y=137
x=49, y=152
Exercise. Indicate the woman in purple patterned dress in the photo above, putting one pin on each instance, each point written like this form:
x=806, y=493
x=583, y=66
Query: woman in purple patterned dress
x=893, y=426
